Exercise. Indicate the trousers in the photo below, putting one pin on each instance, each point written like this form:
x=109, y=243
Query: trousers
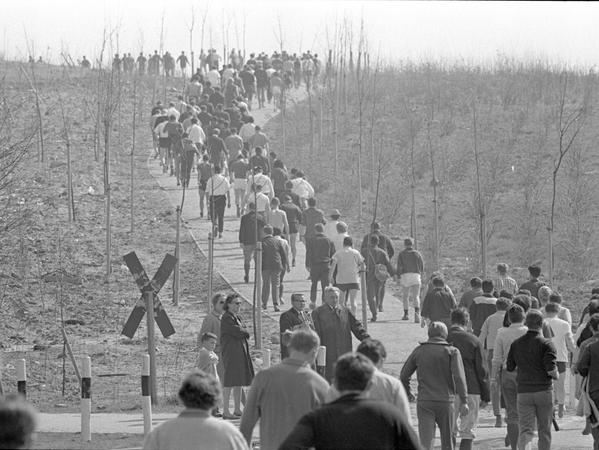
x=217, y=211
x=431, y=414
x=535, y=407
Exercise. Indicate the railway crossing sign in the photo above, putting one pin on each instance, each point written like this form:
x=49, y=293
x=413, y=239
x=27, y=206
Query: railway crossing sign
x=149, y=287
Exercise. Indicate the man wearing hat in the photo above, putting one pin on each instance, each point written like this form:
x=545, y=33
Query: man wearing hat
x=330, y=228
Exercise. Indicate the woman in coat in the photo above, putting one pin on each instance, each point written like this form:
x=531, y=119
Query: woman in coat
x=235, y=348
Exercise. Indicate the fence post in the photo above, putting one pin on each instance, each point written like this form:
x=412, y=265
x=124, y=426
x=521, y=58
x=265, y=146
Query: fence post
x=146, y=398
x=210, y=256
x=266, y=358
x=86, y=395
x=21, y=377
x=364, y=299
x=321, y=361
x=177, y=276
x=151, y=344
x=258, y=300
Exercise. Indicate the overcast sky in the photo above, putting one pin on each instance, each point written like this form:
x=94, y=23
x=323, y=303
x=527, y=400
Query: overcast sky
x=465, y=31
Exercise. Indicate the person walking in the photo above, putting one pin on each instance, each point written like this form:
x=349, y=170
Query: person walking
x=378, y=270
x=319, y=253
x=238, y=171
x=353, y=421
x=237, y=361
x=347, y=264
x=410, y=267
x=535, y=358
x=504, y=282
x=476, y=290
x=482, y=307
x=218, y=188
x=588, y=367
x=294, y=217
x=282, y=394
x=477, y=376
x=441, y=378
x=250, y=229
x=335, y=326
x=204, y=170
x=533, y=284
x=310, y=217
x=273, y=262
x=438, y=303
x=276, y=232
x=277, y=218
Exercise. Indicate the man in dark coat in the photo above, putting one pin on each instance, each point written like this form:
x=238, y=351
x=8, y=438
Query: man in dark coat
x=374, y=255
x=291, y=320
x=335, y=324
x=477, y=377
x=319, y=254
x=353, y=420
x=274, y=260
x=533, y=284
x=438, y=303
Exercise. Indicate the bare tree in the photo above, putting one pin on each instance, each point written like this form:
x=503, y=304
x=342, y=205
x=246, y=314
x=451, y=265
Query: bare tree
x=38, y=110
x=480, y=203
x=66, y=136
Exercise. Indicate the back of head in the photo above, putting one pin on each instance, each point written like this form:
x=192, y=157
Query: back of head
x=544, y=294
x=17, y=419
x=502, y=303
x=267, y=229
x=476, y=283
x=318, y=228
x=373, y=349
x=487, y=286
x=460, y=316
x=555, y=297
x=373, y=240
x=341, y=227
x=502, y=268
x=523, y=301
x=200, y=390
x=515, y=314
x=593, y=307
x=534, y=270
x=594, y=322
x=437, y=329
x=552, y=308
x=375, y=226
x=348, y=241
x=353, y=372
x=304, y=341
x=312, y=202
x=438, y=282
x=534, y=320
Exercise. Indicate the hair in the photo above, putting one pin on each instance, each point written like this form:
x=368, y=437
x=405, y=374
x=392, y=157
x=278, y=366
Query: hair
x=353, y=372
x=523, y=301
x=593, y=307
x=257, y=128
x=318, y=228
x=534, y=303
x=217, y=169
x=595, y=291
x=476, y=282
x=289, y=185
x=487, y=286
x=341, y=227
x=207, y=336
x=275, y=201
x=534, y=320
x=525, y=292
x=551, y=308
x=278, y=164
x=194, y=120
x=230, y=298
x=18, y=422
x=217, y=297
x=200, y=390
x=502, y=303
x=373, y=239
x=544, y=294
x=375, y=226
x=267, y=229
x=312, y=201
x=373, y=349
x=505, y=294
x=296, y=296
x=555, y=297
x=258, y=150
x=348, y=241
x=438, y=281
x=330, y=288
x=276, y=231
x=515, y=313
x=594, y=322
x=437, y=329
x=460, y=316
x=534, y=270
x=502, y=268
x=408, y=242
x=304, y=341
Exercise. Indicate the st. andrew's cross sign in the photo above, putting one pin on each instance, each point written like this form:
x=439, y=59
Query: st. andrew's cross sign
x=146, y=286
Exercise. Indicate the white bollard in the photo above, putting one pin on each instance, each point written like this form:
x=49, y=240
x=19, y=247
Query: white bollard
x=321, y=360
x=86, y=398
x=21, y=377
x=146, y=398
x=266, y=358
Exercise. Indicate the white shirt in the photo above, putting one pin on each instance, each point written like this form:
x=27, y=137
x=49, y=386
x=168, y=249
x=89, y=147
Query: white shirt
x=172, y=111
x=262, y=202
x=260, y=180
x=159, y=130
x=214, y=77
x=330, y=231
x=562, y=339
x=246, y=131
x=302, y=188
x=338, y=240
x=219, y=183
x=348, y=261
x=196, y=134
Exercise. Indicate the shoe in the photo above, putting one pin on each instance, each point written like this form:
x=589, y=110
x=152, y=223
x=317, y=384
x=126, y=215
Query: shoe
x=263, y=306
x=381, y=308
x=373, y=319
x=246, y=279
x=281, y=301
x=277, y=309
x=416, y=317
x=405, y=317
x=293, y=263
x=498, y=423
x=238, y=414
x=201, y=214
x=220, y=235
x=506, y=441
x=560, y=411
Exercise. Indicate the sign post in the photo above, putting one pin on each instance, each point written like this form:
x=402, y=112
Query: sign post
x=151, y=344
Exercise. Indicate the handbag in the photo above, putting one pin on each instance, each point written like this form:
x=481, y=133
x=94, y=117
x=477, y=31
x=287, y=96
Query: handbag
x=380, y=270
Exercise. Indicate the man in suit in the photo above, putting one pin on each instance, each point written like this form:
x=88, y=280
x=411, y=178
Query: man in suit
x=274, y=260
x=353, y=420
x=291, y=320
x=335, y=324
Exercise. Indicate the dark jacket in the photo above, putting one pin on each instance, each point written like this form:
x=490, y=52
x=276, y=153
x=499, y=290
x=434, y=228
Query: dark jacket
x=260, y=161
x=534, y=356
x=439, y=370
x=469, y=296
x=273, y=254
x=279, y=178
x=588, y=365
x=288, y=320
x=372, y=257
x=319, y=250
x=384, y=243
x=292, y=195
x=481, y=308
x=237, y=360
x=310, y=217
x=471, y=350
x=294, y=216
x=353, y=422
x=533, y=286
x=247, y=228
x=437, y=305
x=409, y=261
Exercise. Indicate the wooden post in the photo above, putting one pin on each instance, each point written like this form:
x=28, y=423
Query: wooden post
x=70, y=352
x=266, y=358
x=151, y=345
x=21, y=377
x=177, y=274
x=146, y=398
x=86, y=396
x=210, y=256
x=364, y=299
x=321, y=361
x=258, y=291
